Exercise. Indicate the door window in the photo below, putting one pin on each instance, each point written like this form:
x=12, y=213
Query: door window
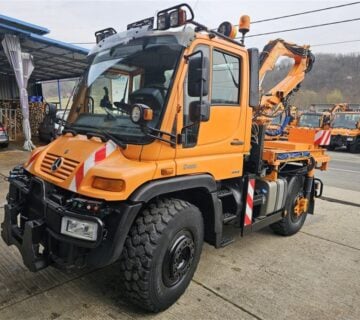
x=225, y=79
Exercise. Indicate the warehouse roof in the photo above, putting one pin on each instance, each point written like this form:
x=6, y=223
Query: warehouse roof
x=53, y=59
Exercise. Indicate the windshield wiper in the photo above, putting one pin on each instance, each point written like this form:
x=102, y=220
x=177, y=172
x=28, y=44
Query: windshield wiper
x=105, y=135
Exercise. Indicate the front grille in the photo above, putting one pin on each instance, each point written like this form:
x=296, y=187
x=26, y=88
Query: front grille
x=65, y=170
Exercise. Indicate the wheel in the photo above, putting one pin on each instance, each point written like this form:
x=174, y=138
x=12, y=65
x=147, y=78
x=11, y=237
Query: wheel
x=292, y=222
x=354, y=148
x=161, y=253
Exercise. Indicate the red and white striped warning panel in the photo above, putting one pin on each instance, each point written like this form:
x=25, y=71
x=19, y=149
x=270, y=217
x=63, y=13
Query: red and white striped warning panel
x=97, y=156
x=249, y=203
x=322, y=137
x=32, y=160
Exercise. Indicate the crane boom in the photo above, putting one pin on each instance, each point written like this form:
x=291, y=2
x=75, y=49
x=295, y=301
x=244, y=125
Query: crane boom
x=273, y=102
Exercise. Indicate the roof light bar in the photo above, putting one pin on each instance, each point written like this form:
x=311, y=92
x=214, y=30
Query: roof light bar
x=174, y=16
x=149, y=22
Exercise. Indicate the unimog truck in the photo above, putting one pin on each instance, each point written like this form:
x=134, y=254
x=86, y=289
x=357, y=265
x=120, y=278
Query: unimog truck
x=163, y=149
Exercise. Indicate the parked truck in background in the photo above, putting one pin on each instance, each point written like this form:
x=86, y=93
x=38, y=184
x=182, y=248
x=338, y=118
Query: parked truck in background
x=345, y=131
x=164, y=149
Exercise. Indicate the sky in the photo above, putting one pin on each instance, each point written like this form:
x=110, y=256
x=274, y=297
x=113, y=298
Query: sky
x=76, y=21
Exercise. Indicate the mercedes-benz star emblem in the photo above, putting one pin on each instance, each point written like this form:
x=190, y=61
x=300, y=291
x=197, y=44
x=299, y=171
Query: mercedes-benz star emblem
x=56, y=164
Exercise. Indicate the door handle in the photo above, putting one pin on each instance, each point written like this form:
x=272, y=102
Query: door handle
x=237, y=142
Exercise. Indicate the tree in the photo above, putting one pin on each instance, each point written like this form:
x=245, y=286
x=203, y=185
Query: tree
x=334, y=96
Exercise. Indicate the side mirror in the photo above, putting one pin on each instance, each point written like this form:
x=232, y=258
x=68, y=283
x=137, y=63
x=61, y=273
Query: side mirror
x=199, y=111
x=254, y=98
x=50, y=109
x=198, y=75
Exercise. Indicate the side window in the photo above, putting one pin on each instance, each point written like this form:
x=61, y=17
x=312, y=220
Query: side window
x=225, y=79
x=136, y=82
x=190, y=134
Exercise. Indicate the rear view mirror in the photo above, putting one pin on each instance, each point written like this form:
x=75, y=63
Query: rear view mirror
x=199, y=111
x=198, y=75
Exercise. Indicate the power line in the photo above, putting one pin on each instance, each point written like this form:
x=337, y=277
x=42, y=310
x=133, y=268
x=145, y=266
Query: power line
x=307, y=12
x=302, y=28
x=333, y=43
x=82, y=42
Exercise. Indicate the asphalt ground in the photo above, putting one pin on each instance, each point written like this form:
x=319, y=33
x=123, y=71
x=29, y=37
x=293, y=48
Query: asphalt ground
x=344, y=171
x=314, y=274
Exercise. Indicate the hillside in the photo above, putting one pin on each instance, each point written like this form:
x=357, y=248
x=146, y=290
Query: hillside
x=333, y=79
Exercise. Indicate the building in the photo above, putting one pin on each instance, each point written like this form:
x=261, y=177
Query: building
x=53, y=60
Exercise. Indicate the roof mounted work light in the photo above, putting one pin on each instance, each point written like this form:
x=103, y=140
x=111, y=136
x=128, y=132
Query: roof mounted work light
x=102, y=34
x=174, y=16
x=227, y=29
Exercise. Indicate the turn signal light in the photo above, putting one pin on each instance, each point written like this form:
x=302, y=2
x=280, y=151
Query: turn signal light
x=115, y=185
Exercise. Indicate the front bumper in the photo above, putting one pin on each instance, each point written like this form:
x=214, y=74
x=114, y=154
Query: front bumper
x=32, y=223
x=342, y=141
x=4, y=139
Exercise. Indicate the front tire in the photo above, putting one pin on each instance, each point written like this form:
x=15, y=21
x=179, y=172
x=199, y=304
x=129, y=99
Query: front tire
x=161, y=253
x=291, y=223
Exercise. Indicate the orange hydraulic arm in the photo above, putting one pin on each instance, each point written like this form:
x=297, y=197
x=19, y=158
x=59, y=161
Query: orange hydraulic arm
x=341, y=107
x=274, y=101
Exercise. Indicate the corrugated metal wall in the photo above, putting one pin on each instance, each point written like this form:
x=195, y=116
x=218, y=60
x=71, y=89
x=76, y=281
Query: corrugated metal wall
x=8, y=88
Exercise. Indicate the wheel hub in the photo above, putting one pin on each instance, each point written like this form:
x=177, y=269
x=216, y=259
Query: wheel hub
x=301, y=206
x=179, y=261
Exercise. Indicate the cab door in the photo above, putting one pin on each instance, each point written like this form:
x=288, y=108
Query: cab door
x=217, y=146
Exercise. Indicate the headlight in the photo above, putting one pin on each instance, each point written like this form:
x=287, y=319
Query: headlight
x=81, y=229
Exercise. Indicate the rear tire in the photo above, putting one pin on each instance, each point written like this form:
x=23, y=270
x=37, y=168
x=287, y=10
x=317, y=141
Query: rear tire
x=291, y=223
x=161, y=253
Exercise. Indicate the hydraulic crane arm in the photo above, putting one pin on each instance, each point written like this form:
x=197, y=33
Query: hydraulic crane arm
x=273, y=102
x=340, y=107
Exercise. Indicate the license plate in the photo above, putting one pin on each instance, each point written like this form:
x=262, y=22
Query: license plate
x=349, y=139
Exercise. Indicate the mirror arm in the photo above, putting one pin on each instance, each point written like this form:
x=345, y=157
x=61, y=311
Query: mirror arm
x=158, y=134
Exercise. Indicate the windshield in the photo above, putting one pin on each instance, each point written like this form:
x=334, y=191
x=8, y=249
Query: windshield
x=140, y=71
x=310, y=120
x=346, y=120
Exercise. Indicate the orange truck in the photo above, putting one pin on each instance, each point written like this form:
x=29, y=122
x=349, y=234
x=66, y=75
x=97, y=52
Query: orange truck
x=345, y=131
x=163, y=149
x=320, y=116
